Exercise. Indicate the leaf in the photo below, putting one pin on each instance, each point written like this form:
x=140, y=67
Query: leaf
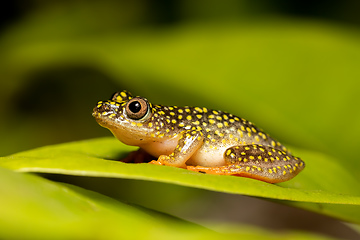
x=94, y=158
x=48, y=210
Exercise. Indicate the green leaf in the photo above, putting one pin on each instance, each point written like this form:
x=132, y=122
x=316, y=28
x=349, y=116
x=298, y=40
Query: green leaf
x=94, y=158
x=48, y=210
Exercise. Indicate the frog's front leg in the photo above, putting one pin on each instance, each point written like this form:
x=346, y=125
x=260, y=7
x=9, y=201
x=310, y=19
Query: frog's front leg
x=189, y=142
x=264, y=163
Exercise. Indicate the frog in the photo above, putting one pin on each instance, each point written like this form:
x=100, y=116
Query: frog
x=197, y=139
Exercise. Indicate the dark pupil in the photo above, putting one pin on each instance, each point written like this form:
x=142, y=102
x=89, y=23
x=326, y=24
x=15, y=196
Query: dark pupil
x=135, y=107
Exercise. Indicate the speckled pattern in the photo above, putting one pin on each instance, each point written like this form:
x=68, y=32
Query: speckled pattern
x=197, y=138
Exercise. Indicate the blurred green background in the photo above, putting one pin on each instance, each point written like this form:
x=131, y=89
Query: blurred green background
x=292, y=67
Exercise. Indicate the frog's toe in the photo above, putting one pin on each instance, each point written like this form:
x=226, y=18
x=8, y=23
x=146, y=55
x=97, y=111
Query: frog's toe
x=208, y=170
x=156, y=162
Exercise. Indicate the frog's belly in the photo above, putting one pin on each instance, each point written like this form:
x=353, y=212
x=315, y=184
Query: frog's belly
x=208, y=157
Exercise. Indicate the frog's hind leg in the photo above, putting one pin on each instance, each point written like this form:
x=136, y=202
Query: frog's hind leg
x=264, y=163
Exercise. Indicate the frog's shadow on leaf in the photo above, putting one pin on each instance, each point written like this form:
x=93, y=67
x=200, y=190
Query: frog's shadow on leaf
x=137, y=156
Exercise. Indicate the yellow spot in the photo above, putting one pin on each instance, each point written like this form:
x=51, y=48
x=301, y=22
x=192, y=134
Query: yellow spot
x=207, y=141
x=180, y=117
x=242, y=128
x=211, y=121
x=231, y=136
x=187, y=110
x=236, y=139
x=180, y=110
x=284, y=172
x=273, y=143
x=221, y=135
x=247, y=148
x=167, y=130
x=232, y=120
x=251, y=157
x=247, y=169
x=219, y=118
x=181, y=125
x=243, y=153
x=167, y=120
x=133, y=124
x=239, y=159
x=208, y=130
x=139, y=124
x=173, y=121
x=270, y=171
x=215, y=112
x=228, y=152
x=265, y=159
x=152, y=135
x=189, y=117
x=171, y=108
x=223, y=141
x=257, y=138
x=217, y=132
x=249, y=134
x=288, y=158
x=261, y=149
x=225, y=117
x=240, y=132
x=205, y=110
x=259, y=157
x=204, y=124
x=285, y=167
x=220, y=125
x=253, y=129
x=198, y=109
x=226, y=124
x=199, y=138
x=269, y=153
x=248, y=129
x=209, y=136
x=199, y=116
x=245, y=160
x=196, y=122
x=123, y=94
x=274, y=169
x=259, y=169
x=236, y=119
x=232, y=155
x=211, y=116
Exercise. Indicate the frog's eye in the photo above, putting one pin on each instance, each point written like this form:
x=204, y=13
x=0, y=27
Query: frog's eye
x=137, y=108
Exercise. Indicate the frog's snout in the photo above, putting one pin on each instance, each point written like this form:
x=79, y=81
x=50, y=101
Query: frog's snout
x=105, y=109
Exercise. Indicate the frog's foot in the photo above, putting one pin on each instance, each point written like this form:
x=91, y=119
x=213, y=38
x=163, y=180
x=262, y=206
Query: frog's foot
x=224, y=170
x=138, y=156
x=167, y=160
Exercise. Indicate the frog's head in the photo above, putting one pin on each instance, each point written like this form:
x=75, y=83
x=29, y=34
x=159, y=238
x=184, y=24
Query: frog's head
x=126, y=117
